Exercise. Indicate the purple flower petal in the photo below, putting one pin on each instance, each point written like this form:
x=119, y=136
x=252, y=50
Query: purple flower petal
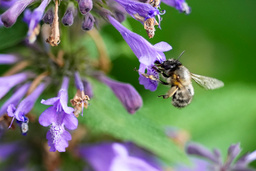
x=87, y=88
x=10, y=16
x=198, y=150
x=33, y=19
x=15, y=98
x=134, y=7
x=126, y=93
x=6, y=83
x=148, y=83
x=180, y=5
x=116, y=157
x=27, y=104
x=8, y=59
x=48, y=117
x=145, y=52
x=58, y=138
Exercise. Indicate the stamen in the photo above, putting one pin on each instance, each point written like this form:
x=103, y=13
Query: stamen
x=149, y=26
x=54, y=38
x=36, y=82
x=79, y=102
x=16, y=68
x=155, y=3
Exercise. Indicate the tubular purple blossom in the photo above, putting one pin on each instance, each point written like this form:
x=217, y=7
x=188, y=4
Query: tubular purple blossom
x=26, y=104
x=68, y=17
x=87, y=88
x=15, y=98
x=142, y=9
x=59, y=116
x=6, y=3
x=33, y=19
x=8, y=59
x=6, y=83
x=10, y=16
x=126, y=93
x=88, y=22
x=217, y=164
x=85, y=6
x=116, y=157
x=180, y=5
x=145, y=52
x=78, y=81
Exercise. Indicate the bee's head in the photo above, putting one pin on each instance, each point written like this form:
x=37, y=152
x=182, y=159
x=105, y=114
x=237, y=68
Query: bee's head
x=170, y=64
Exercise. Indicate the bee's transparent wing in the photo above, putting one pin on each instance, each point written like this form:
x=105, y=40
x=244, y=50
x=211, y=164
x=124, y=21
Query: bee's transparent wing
x=207, y=82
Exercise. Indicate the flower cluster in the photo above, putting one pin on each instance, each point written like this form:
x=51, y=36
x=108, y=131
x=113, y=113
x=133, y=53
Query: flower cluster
x=28, y=86
x=211, y=161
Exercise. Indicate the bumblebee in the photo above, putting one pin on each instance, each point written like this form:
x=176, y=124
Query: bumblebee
x=180, y=80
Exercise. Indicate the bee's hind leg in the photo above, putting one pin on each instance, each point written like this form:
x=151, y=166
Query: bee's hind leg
x=170, y=93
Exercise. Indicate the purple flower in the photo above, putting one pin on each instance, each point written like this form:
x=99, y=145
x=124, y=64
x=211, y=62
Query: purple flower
x=145, y=52
x=7, y=3
x=10, y=16
x=118, y=157
x=15, y=98
x=59, y=116
x=137, y=8
x=33, y=19
x=8, y=58
x=26, y=104
x=126, y=93
x=180, y=5
x=215, y=158
x=6, y=83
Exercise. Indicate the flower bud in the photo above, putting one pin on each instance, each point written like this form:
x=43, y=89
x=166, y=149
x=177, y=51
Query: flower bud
x=68, y=17
x=88, y=22
x=85, y=6
x=48, y=16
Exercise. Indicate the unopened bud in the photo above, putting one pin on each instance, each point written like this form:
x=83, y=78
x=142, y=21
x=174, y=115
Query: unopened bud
x=88, y=22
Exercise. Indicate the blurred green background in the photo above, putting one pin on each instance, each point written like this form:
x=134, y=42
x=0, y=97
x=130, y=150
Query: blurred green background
x=219, y=40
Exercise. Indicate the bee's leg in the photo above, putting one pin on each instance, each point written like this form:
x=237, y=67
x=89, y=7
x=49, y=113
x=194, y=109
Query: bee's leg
x=152, y=77
x=160, y=71
x=170, y=93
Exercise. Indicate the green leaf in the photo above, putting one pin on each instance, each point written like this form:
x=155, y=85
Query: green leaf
x=106, y=115
x=10, y=37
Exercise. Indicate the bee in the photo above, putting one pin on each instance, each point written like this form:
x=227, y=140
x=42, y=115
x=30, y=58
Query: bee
x=180, y=80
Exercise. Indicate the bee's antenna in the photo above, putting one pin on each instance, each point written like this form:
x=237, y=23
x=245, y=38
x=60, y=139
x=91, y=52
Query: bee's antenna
x=181, y=54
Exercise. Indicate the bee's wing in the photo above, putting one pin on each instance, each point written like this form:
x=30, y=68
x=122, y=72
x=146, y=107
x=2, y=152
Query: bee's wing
x=207, y=82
